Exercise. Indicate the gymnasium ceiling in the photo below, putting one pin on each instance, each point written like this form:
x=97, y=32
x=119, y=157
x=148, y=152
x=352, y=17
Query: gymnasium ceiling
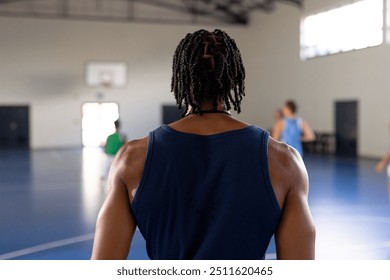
x=157, y=11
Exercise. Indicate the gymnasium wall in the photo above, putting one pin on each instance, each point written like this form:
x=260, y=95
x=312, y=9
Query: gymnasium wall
x=42, y=64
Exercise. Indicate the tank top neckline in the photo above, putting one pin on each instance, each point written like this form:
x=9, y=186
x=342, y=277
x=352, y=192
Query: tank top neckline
x=193, y=135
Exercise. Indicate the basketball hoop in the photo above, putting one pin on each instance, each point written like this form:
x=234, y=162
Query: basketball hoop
x=106, y=78
x=106, y=84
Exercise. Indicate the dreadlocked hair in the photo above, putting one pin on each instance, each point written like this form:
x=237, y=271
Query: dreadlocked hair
x=207, y=66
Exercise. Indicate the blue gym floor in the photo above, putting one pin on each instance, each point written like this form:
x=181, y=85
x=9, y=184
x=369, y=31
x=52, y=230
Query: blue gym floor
x=49, y=201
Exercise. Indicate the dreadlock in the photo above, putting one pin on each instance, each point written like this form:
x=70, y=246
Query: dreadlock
x=207, y=66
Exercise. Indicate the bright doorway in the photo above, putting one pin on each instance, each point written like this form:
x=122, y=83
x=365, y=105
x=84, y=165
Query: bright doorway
x=98, y=122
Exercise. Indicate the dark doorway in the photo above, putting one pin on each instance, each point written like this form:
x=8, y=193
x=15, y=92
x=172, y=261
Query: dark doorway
x=14, y=127
x=346, y=127
x=170, y=114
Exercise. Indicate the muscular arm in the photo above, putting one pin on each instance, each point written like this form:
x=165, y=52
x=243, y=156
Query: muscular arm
x=115, y=225
x=295, y=236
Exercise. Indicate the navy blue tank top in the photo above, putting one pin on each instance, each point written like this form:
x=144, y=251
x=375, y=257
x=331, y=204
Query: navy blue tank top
x=206, y=197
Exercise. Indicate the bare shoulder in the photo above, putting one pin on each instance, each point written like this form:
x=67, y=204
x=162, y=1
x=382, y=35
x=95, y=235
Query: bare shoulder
x=133, y=150
x=128, y=165
x=287, y=170
x=283, y=154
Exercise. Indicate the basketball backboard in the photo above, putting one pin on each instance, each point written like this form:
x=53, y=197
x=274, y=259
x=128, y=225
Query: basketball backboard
x=106, y=74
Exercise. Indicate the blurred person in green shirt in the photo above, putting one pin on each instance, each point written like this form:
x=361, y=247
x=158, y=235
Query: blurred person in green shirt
x=113, y=143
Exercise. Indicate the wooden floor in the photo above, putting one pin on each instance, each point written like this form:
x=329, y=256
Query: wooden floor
x=49, y=201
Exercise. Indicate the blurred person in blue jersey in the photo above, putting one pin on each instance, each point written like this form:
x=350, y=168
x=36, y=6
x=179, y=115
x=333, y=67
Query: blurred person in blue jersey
x=292, y=129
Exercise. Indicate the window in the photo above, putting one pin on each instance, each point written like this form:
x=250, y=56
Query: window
x=355, y=26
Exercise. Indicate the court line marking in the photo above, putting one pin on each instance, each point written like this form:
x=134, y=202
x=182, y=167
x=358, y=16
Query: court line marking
x=47, y=246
